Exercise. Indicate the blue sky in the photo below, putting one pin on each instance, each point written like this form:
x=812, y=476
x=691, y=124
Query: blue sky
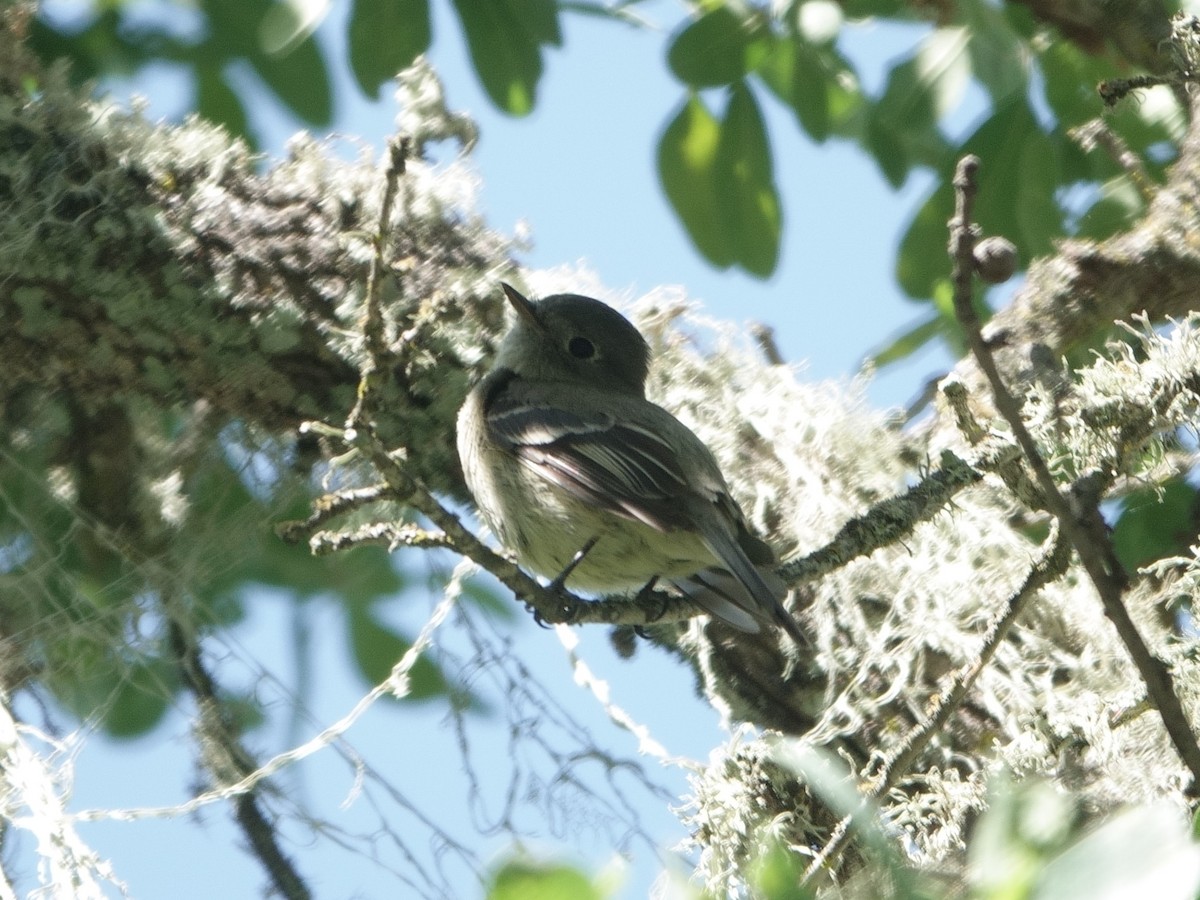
x=580, y=171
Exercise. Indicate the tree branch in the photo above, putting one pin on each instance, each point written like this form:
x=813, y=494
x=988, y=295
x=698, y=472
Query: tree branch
x=1080, y=520
x=1051, y=564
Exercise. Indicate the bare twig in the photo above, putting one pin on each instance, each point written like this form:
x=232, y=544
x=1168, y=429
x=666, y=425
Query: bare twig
x=228, y=761
x=397, y=684
x=1113, y=90
x=1081, y=522
x=1097, y=134
x=1049, y=566
x=764, y=336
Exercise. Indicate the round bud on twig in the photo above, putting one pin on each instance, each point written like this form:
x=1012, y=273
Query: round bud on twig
x=995, y=259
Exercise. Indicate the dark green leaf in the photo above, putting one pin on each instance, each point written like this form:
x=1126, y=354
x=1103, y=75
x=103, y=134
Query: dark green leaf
x=997, y=54
x=299, y=77
x=866, y=9
x=140, y=698
x=687, y=154
x=1038, y=214
x=539, y=18
x=1070, y=79
x=902, y=127
x=234, y=25
x=1005, y=206
x=922, y=259
x=507, y=58
x=715, y=49
x=385, y=36
x=217, y=102
x=887, y=148
x=1156, y=523
x=908, y=99
x=745, y=185
x=795, y=74
x=377, y=649
x=525, y=880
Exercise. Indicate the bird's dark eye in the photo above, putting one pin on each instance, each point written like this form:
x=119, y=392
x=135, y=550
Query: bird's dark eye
x=581, y=348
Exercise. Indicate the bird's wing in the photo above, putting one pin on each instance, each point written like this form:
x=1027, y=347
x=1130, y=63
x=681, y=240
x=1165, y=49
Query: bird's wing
x=626, y=468
x=630, y=469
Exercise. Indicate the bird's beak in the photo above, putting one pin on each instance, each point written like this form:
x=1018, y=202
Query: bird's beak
x=522, y=305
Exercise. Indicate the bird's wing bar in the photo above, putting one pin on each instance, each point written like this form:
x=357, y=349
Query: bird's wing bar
x=625, y=468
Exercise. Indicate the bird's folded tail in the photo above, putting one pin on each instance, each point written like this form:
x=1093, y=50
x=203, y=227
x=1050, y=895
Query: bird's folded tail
x=743, y=594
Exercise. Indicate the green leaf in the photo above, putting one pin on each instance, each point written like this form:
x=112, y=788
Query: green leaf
x=299, y=77
x=907, y=343
x=777, y=874
x=718, y=48
x=218, y=102
x=922, y=259
x=1069, y=78
x=527, y=880
x=1039, y=217
x=378, y=648
x=885, y=145
x=101, y=48
x=141, y=698
x=687, y=154
x=794, y=72
x=943, y=66
x=1156, y=523
x=997, y=54
x=234, y=25
x=902, y=126
x=539, y=18
x=745, y=185
x=908, y=97
x=503, y=38
x=1018, y=179
x=385, y=36
x=868, y=9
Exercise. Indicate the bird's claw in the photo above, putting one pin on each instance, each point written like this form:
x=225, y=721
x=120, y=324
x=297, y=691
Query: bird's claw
x=646, y=593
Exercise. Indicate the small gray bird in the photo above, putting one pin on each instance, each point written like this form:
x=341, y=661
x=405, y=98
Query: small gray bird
x=563, y=453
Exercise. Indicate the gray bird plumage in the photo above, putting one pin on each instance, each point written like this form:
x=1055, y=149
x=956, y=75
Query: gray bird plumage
x=560, y=448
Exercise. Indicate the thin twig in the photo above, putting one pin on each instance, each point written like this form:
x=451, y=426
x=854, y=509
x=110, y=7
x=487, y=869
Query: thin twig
x=397, y=684
x=764, y=336
x=1081, y=522
x=1097, y=134
x=372, y=326
x=328, y=507
x=378, y=534
x=1050, y=565
x=228, y=761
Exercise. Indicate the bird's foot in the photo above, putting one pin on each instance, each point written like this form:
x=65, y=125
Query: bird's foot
x=558, y=585
x=646, y=593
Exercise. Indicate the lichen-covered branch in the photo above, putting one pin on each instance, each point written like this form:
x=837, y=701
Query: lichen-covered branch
x=1081, y=520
